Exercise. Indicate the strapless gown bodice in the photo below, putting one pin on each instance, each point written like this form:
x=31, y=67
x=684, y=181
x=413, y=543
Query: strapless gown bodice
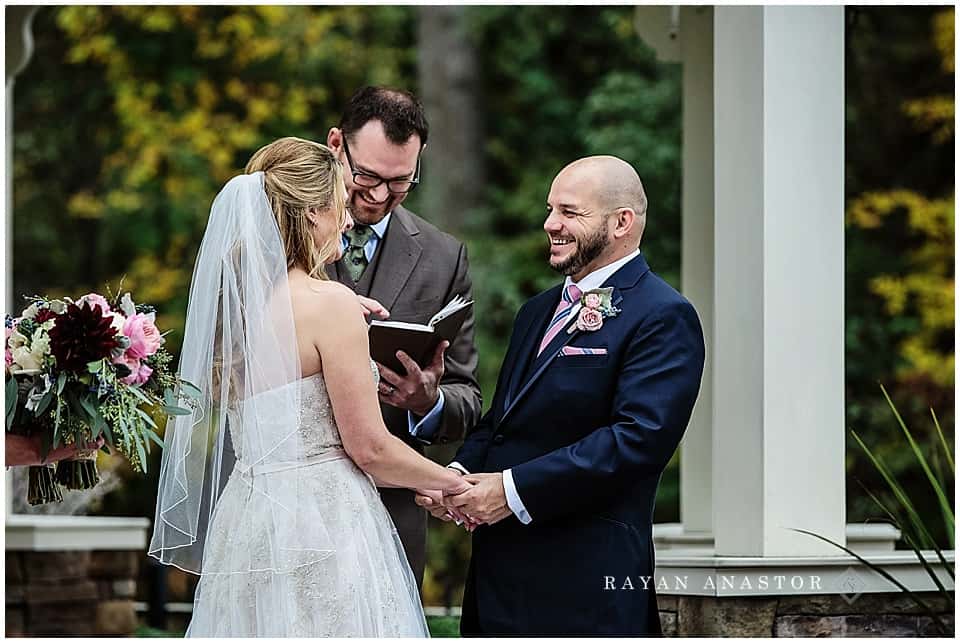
x=317, y=428
x=301, y=545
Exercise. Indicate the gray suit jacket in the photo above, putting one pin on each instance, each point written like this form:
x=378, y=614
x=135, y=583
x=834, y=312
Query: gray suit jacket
x=415, y=271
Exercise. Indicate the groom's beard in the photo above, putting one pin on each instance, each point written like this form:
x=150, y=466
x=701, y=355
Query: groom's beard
x=588, y=249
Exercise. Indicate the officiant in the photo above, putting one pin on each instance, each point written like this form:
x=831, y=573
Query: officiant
x=413, y=269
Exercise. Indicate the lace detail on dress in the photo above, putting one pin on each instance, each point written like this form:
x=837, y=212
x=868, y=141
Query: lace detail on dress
x=345, y=573
x=317, y=427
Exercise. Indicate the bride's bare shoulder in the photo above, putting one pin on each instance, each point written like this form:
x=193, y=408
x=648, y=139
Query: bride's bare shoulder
x=324, y=301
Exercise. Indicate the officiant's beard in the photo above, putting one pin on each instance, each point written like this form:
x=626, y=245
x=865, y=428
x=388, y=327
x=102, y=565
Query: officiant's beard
x=371, y=214
x=588, y=249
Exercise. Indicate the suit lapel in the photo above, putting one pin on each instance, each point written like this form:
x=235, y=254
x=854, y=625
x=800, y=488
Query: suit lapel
x=624, y=279
x=542, y=361
x=338, y=272
x=399, y=253
x=529, y=343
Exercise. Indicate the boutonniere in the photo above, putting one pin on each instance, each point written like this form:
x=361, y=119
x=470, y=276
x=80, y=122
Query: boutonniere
x=596, y=305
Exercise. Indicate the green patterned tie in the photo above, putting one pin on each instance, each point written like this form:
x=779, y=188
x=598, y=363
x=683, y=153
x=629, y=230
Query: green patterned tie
x=355, y=257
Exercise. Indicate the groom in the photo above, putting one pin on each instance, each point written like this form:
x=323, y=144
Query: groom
x=594, y=395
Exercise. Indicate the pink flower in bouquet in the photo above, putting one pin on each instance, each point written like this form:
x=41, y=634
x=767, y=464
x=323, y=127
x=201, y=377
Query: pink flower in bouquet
x=93, y=299
x=140, y=373
x=8, y=356
x=145, y=339
x=130, y=362
x=589, y=319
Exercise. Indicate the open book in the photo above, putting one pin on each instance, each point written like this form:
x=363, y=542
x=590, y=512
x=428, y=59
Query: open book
x=419, y=341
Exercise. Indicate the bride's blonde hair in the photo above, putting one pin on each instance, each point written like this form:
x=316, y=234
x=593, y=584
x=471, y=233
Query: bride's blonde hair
x=299, y=175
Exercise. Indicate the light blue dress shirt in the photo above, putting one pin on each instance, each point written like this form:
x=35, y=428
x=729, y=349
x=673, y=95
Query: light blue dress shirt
x=379, y=230
x=426, y=427
x=594, y=280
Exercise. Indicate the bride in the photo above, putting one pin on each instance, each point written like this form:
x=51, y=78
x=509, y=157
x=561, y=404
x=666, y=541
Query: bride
x=291, y=539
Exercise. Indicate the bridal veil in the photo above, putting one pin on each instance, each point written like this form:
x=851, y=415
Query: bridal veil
x=239, y=342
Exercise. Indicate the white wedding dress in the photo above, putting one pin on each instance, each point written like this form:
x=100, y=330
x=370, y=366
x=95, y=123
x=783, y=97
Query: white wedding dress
x=358, y=584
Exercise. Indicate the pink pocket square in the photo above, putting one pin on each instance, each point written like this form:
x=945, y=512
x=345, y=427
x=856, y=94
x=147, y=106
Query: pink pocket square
x=576, y=350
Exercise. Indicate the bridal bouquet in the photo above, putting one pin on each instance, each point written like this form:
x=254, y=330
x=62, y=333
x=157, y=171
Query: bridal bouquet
x=80, y=370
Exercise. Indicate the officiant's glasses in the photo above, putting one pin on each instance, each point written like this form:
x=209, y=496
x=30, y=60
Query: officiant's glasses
x=367, y=180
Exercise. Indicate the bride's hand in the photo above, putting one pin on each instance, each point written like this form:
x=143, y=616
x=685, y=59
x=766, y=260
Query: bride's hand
x=373, y=307
x=432, y=501
x=457, y=487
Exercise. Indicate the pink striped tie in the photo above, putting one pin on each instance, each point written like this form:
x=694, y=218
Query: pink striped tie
x=571, y=295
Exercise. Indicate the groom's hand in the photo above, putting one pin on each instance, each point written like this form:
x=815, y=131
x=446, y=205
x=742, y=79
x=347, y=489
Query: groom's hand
x=418, y=391
x=486, y=502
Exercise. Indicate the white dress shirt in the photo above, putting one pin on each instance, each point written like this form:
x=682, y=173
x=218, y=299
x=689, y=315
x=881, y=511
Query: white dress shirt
x=425, y=427
x=594, y=280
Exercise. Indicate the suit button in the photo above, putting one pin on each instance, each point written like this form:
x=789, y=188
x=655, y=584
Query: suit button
x=498, y=439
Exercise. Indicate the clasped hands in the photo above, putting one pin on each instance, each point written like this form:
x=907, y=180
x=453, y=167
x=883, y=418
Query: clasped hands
x=481, y=499
x=482, y=502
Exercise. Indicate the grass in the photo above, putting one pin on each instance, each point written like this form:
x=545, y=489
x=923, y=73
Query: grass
x=144, y=632
x=444, y=626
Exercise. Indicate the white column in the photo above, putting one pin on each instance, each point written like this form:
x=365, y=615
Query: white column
x=778, y=406
x=19, y=47
x=696, y=456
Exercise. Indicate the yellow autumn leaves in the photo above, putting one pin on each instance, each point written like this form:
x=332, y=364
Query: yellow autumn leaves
x=926, y=290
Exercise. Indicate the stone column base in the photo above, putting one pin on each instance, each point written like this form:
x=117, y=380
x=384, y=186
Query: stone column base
x=885, y=614
x=72, y=593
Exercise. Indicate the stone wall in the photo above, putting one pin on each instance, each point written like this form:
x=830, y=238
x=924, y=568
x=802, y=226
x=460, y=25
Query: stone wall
x=887, y=614
x=79, y=593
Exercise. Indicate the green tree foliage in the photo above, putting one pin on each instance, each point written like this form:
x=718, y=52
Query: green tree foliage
x=130, y=118
x=900, y=232
x=559, y=85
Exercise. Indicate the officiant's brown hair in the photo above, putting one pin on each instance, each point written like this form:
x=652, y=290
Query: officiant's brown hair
x=299, y=175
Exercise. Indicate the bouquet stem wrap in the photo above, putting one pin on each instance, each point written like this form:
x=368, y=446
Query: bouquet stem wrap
x=43, y=485
x=79, y=472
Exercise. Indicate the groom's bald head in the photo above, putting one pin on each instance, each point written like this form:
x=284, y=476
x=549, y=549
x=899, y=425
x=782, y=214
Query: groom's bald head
x=596, y=213
x=612, y=184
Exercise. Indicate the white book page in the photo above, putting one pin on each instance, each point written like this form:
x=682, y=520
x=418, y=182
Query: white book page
x=404, y=325
x=455, y=304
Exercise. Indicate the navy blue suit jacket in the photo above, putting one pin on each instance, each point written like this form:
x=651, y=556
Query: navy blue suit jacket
x=587, y=438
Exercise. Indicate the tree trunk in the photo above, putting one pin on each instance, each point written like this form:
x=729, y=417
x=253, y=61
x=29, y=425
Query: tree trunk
x=452, y=170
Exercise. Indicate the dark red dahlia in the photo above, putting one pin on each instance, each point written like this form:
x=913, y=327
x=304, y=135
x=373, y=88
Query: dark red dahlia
x=81, y=335
x=44, y=314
